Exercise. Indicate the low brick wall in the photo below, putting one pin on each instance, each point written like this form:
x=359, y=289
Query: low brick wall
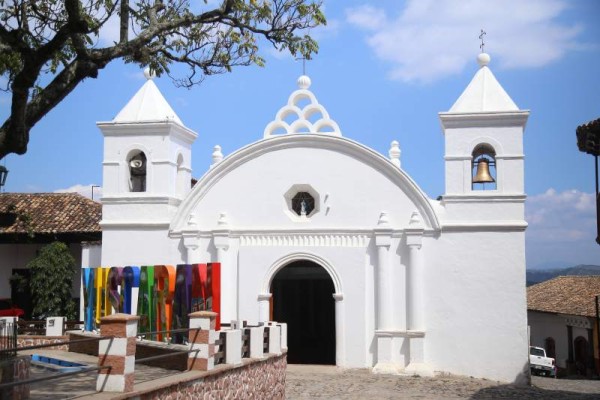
x=34, y=340
x=179, y=360
x=254, y=379
x=89, y=347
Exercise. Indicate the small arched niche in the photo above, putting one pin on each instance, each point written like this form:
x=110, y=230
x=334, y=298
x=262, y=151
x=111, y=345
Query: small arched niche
x=483, y=168
x=136, y=164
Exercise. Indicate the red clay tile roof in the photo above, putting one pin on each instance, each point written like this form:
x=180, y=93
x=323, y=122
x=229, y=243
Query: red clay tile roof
x=49, y=213
x=574, y=295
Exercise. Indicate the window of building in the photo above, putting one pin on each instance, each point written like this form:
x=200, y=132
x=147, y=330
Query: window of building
x=303, y=204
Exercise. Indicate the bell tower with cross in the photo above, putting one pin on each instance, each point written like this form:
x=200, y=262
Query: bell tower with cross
x=484, y=158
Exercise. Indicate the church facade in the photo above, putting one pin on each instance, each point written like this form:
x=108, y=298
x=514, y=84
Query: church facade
x=348, y=250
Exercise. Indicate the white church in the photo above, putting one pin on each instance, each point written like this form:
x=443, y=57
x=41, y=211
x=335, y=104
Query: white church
x=367, y=271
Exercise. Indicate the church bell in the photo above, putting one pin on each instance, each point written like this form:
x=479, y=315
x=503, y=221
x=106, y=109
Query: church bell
x=482, y=174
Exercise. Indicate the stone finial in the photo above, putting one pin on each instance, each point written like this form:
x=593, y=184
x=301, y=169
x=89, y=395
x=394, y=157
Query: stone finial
x=395, y=153
x=483, y=59
x=217, y=155
x=304, y=82
x=149, y=74
x=384, y=221
x=223, y=219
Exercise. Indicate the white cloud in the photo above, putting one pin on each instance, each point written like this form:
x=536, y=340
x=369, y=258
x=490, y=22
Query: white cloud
x=84, y=190
x=430, y=40
x=367, y=17
x=562, y=227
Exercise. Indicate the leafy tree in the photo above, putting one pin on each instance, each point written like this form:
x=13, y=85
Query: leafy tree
x=51, y=282
x=48, y=47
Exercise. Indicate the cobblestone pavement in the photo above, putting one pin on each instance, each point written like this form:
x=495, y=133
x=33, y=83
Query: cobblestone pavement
x=328, y=382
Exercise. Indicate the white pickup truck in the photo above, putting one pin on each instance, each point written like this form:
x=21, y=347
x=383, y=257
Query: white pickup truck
x=540, y=364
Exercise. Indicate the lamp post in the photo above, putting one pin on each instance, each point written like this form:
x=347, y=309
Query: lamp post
x=3, y=175
x=588, y=141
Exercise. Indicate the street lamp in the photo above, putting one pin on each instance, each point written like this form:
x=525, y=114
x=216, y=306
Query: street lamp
x=588, y=141
x=3, y=175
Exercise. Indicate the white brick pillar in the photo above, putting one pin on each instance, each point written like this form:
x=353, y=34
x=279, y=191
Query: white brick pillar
x=202, y=337
x=256, y=341
x=274, y=339
x=117, y=353
x=233, y=345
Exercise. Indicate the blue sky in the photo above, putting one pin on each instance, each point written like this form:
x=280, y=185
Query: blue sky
x=384, y=71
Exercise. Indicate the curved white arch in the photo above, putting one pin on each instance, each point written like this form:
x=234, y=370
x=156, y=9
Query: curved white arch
x=301, y=94
x=301, y=256
x=486, y=140
x=124, y=163
x=331, y=142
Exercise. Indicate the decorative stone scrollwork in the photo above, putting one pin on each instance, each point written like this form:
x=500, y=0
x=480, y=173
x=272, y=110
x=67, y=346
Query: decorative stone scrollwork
x=300, y=116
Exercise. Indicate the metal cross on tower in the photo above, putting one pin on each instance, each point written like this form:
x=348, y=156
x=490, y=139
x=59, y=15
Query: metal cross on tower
x=482, y=45
x=303, y=64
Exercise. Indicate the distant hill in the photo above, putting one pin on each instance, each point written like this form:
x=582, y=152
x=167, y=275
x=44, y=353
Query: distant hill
x=541, y=275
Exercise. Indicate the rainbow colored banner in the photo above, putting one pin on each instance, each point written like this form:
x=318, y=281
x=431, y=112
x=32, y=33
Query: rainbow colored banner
x=161, y=295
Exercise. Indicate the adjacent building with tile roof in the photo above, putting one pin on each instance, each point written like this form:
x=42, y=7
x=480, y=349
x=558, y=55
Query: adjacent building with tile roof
x=46, y=217
x=28, y=221
x=563, y=319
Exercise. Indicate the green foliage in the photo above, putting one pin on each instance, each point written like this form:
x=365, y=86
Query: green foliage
x=51, y=281
x=48, y=47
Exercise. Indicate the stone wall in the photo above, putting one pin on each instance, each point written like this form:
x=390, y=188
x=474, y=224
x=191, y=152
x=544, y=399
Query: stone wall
x=34, y=340
x=255, y=379
x=89, y=347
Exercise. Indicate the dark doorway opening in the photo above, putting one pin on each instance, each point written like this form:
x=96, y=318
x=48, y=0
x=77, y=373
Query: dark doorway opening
x=302, y=298
x=21, y=292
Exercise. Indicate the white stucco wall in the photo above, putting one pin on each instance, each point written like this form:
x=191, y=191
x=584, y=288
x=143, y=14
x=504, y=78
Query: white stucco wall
x=137, y=247
x=476, y=304
x=544, y=325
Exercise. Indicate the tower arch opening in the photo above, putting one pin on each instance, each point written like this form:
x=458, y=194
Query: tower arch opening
x=484, y=167
x=136, y=163
x=302, y=296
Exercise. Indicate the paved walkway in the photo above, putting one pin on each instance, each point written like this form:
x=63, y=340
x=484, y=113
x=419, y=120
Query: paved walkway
x=330, y=382
x=327, y=382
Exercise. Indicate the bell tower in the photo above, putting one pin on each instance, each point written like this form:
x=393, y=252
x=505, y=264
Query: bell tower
x=484, y=158
x=146, y=167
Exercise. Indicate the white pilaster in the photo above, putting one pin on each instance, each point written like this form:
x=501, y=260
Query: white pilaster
x=384, y=287
x=415, y=290
x=264, y=307
x=384, y=294
x=340, y=342
x=228, y=276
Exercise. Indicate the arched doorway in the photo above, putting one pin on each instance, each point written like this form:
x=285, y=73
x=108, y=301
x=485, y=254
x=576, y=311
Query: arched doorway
x=581, y=351
x=303, y=298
